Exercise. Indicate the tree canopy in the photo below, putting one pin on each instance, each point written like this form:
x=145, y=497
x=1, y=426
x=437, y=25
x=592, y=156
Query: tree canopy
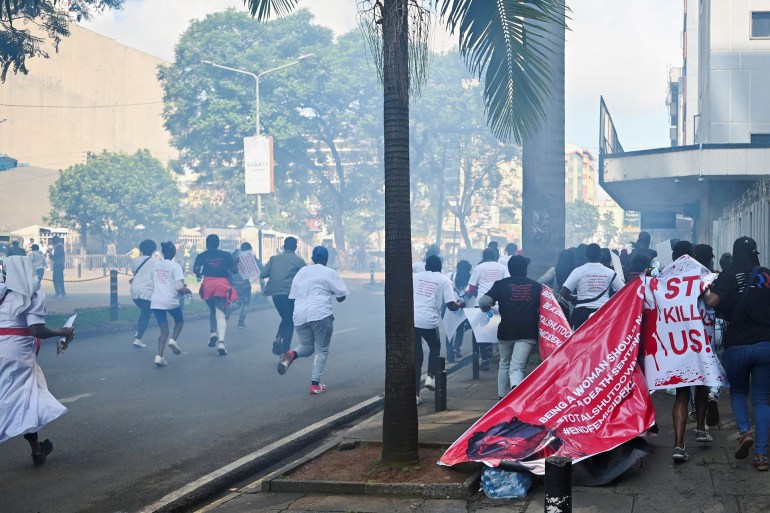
x=113, y=193
x=582, y=221
x=25, y=25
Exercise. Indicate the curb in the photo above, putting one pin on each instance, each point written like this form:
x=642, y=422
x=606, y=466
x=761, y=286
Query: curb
x=188, y=496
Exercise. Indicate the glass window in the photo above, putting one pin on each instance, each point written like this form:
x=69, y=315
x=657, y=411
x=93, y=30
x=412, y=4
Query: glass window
x=760, y=24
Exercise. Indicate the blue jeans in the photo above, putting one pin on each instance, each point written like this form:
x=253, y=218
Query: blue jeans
x=315, y=337
x=748, y=368
x=144, y=317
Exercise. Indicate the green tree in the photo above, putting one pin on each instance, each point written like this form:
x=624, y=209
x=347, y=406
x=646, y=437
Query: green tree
x=326, y=138
x=492, y=41
x=609, y=230
x=113, y=193
x=582, y=221
x=52, y=17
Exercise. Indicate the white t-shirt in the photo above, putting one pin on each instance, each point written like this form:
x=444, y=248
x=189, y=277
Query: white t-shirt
x=165, y=275
x=589, y=280
x=504, y=259
x=486, y=274
x=312, y=290
x=431, y=291
x=141, y=284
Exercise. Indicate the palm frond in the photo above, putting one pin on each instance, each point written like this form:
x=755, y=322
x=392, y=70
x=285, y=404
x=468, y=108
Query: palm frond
x=263, y=10
x=509, y=42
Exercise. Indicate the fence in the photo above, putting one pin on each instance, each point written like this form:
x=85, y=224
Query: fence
x=747, y=216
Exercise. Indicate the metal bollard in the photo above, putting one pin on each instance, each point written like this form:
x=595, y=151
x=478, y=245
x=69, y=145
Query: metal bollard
x=113, y=294
x=475, y=359
x=440, y=395
x=371, y=273
x=80, y=269
x=558, y=484
x=104, y=266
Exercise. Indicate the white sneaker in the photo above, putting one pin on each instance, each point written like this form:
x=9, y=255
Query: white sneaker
x=221, y=348
x=138, y=343
x=160, y=361
x=419, y=401
x=174, y=346
x=430, y=383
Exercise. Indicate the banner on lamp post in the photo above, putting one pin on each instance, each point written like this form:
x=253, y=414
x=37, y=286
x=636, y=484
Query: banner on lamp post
x=258, y=162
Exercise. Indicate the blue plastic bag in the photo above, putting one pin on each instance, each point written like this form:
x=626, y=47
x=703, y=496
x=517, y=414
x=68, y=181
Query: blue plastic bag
x=497, y=483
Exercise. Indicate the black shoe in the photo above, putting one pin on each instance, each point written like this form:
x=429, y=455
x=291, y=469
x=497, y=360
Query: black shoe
x=212, y=340
x=484, y=365
x=712, y=413
x=241, y=325
x=45, y=449
x=277, y=347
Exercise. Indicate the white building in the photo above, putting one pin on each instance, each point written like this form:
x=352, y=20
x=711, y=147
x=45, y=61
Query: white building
x=719, y=104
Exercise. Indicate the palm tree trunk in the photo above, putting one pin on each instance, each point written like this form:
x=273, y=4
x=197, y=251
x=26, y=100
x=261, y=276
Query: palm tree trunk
x=399, y=424
x=543, y=172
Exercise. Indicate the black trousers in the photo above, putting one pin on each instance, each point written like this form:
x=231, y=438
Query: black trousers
x=285, y=307
x=434, y=348
x=580, y=315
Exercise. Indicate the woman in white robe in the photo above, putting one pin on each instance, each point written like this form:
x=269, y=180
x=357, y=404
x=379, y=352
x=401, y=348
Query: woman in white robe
x=26, y=405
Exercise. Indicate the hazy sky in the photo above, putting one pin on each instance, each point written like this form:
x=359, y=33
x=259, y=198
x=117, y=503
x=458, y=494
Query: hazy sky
x=621, y=49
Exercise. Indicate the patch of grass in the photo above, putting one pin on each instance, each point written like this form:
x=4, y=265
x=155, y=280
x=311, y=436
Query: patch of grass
x=96, y=317
x=410, y=470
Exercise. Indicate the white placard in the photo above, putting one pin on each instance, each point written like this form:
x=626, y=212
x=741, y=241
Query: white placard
x=484, y=327
x=258, y=162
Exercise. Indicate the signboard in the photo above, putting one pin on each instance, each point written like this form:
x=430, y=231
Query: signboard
x=663, y=220
x=258, y=162
x=631, y=219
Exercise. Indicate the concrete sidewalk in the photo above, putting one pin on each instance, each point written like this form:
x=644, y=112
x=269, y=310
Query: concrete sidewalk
x=711, y=481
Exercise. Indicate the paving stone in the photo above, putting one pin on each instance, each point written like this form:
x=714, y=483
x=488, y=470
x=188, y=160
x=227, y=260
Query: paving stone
x=685, y=503
x=356, y=503
x=589, y=500
x=740, y=478
x=444, y=506
x=754, y=503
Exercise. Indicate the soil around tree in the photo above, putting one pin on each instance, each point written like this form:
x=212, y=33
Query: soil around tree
x=362, y=464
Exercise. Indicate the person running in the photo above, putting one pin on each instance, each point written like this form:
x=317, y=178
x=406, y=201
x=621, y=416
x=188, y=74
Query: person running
x=26, y=405
x=249, y=269
x=591, y=283
x=431, y=291
x=312, y=290
x=279, y=272
x=459, y=279
x=486, y=273
x=168, y=288
x=141, y=287
x=704, y=254
x=216, y=266
x=517, y=334
x=511, y=249
x=742, y=295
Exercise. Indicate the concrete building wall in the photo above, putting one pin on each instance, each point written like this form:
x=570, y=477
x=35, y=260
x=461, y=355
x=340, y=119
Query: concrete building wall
x=734, y=94
x=94, y=95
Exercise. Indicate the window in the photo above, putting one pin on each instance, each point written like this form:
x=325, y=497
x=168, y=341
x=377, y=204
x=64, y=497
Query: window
x=760, y=138
x=760, y=24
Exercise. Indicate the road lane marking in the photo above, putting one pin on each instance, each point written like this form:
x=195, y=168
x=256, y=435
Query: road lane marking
x=75, y=398
x=337, y=332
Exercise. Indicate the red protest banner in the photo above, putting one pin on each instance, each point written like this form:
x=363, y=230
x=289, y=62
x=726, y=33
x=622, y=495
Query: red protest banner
x=554, y=328
x=588, y=397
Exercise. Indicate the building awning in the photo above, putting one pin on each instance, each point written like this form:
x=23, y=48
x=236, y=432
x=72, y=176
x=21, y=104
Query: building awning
x=676, y=179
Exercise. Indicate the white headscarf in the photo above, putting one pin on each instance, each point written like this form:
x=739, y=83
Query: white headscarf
x=21, y=280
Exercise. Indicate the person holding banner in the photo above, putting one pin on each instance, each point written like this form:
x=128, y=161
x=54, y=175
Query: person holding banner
x=483, y=277
x=591, y=283
x=518, y=298
x=742, y=295
x=431, y=290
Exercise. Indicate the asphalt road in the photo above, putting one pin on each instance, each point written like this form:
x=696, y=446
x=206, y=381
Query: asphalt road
x=135, y=432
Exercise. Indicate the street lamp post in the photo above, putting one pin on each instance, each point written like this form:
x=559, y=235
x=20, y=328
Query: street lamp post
x=256, y=78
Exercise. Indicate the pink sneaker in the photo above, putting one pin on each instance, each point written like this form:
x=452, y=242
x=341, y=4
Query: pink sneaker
x=318, y=389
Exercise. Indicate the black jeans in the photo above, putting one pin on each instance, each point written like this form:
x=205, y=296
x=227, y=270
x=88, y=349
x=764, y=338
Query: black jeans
x=580, y=315
x=144, y=316
x=58, y=279
x=434, y=347
x=285, y=307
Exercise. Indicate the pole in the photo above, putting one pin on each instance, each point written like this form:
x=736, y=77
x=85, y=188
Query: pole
x=113, y=294
x=558, y=484
x=475, y=360
x=256, y=94
x=440, y=396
